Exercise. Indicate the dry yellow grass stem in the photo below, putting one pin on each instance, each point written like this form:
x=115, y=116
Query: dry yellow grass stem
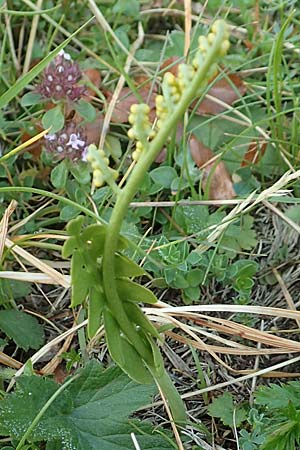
x=57, y=278
x=4, y=225
x=187, y=25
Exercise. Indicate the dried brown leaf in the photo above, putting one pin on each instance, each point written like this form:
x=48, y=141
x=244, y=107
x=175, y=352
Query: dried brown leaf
x=215, y=175
x=255, y=152
x=95, y=77
x=228, y=90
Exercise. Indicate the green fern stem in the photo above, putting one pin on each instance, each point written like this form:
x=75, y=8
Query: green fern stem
x=136, y=179
x=120, y=209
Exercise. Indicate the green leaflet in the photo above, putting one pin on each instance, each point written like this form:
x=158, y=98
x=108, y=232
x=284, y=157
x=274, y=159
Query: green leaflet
x=129, y=290
x=24, y=329
x=81, y=278
x=69, y=246
x=74, y=227
x=113, y=337
x=93, y=239
x=95, y=309
x=134, y=365
x=123, y=353
x=126, y=267
x=138, y=317
x=157, y=359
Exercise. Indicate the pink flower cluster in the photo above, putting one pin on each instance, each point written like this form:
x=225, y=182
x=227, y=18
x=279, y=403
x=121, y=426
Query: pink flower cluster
x=70, y=142
x=60, y=78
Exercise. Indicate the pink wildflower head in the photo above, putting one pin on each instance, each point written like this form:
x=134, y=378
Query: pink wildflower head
x=60, y=78
x=70, y=142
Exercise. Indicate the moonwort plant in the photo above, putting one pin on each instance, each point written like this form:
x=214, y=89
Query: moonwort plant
x=99, y=270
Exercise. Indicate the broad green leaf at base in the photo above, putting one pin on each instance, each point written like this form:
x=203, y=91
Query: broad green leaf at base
x=91, y=414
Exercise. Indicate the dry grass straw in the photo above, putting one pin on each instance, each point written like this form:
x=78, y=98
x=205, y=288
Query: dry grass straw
x=67, y=33
x=245, y=206
x=120, y=85
x=193, y=323
x=31, y=40
x=187, y=25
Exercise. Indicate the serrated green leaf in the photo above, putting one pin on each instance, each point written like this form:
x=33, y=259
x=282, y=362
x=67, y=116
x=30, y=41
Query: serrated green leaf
x=91, y=414
x=95, y=309
x=24, y=329
x=129, y=290
x=224, y=408
x=278, y=396
x=53, y=119
x=126, y=267
x=246, y=237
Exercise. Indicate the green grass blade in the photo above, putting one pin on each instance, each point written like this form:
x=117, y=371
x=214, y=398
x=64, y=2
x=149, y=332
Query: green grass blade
x=26, y=79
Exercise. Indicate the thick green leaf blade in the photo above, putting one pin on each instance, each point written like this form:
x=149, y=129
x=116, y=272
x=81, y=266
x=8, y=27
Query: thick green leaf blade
x=134, y=366
x=94, y=238
x=129, y=290
x=91, y=414
x=69, y=246
x=95, y=309
x=81, y=279
x=137, y=316
x=126, y=267
x=123, y=352
x=31, y=98
x=22, y=328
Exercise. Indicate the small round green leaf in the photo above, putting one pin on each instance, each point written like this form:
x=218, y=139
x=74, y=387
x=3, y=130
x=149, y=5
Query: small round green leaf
x=31, y=98
x=59, y=175
x=163, y=176
x=53, y=119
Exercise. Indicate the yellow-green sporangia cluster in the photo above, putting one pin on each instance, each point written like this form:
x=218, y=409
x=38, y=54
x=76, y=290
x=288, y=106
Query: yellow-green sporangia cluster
x=141, y=130
x=102, y=173
x=172, y=90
